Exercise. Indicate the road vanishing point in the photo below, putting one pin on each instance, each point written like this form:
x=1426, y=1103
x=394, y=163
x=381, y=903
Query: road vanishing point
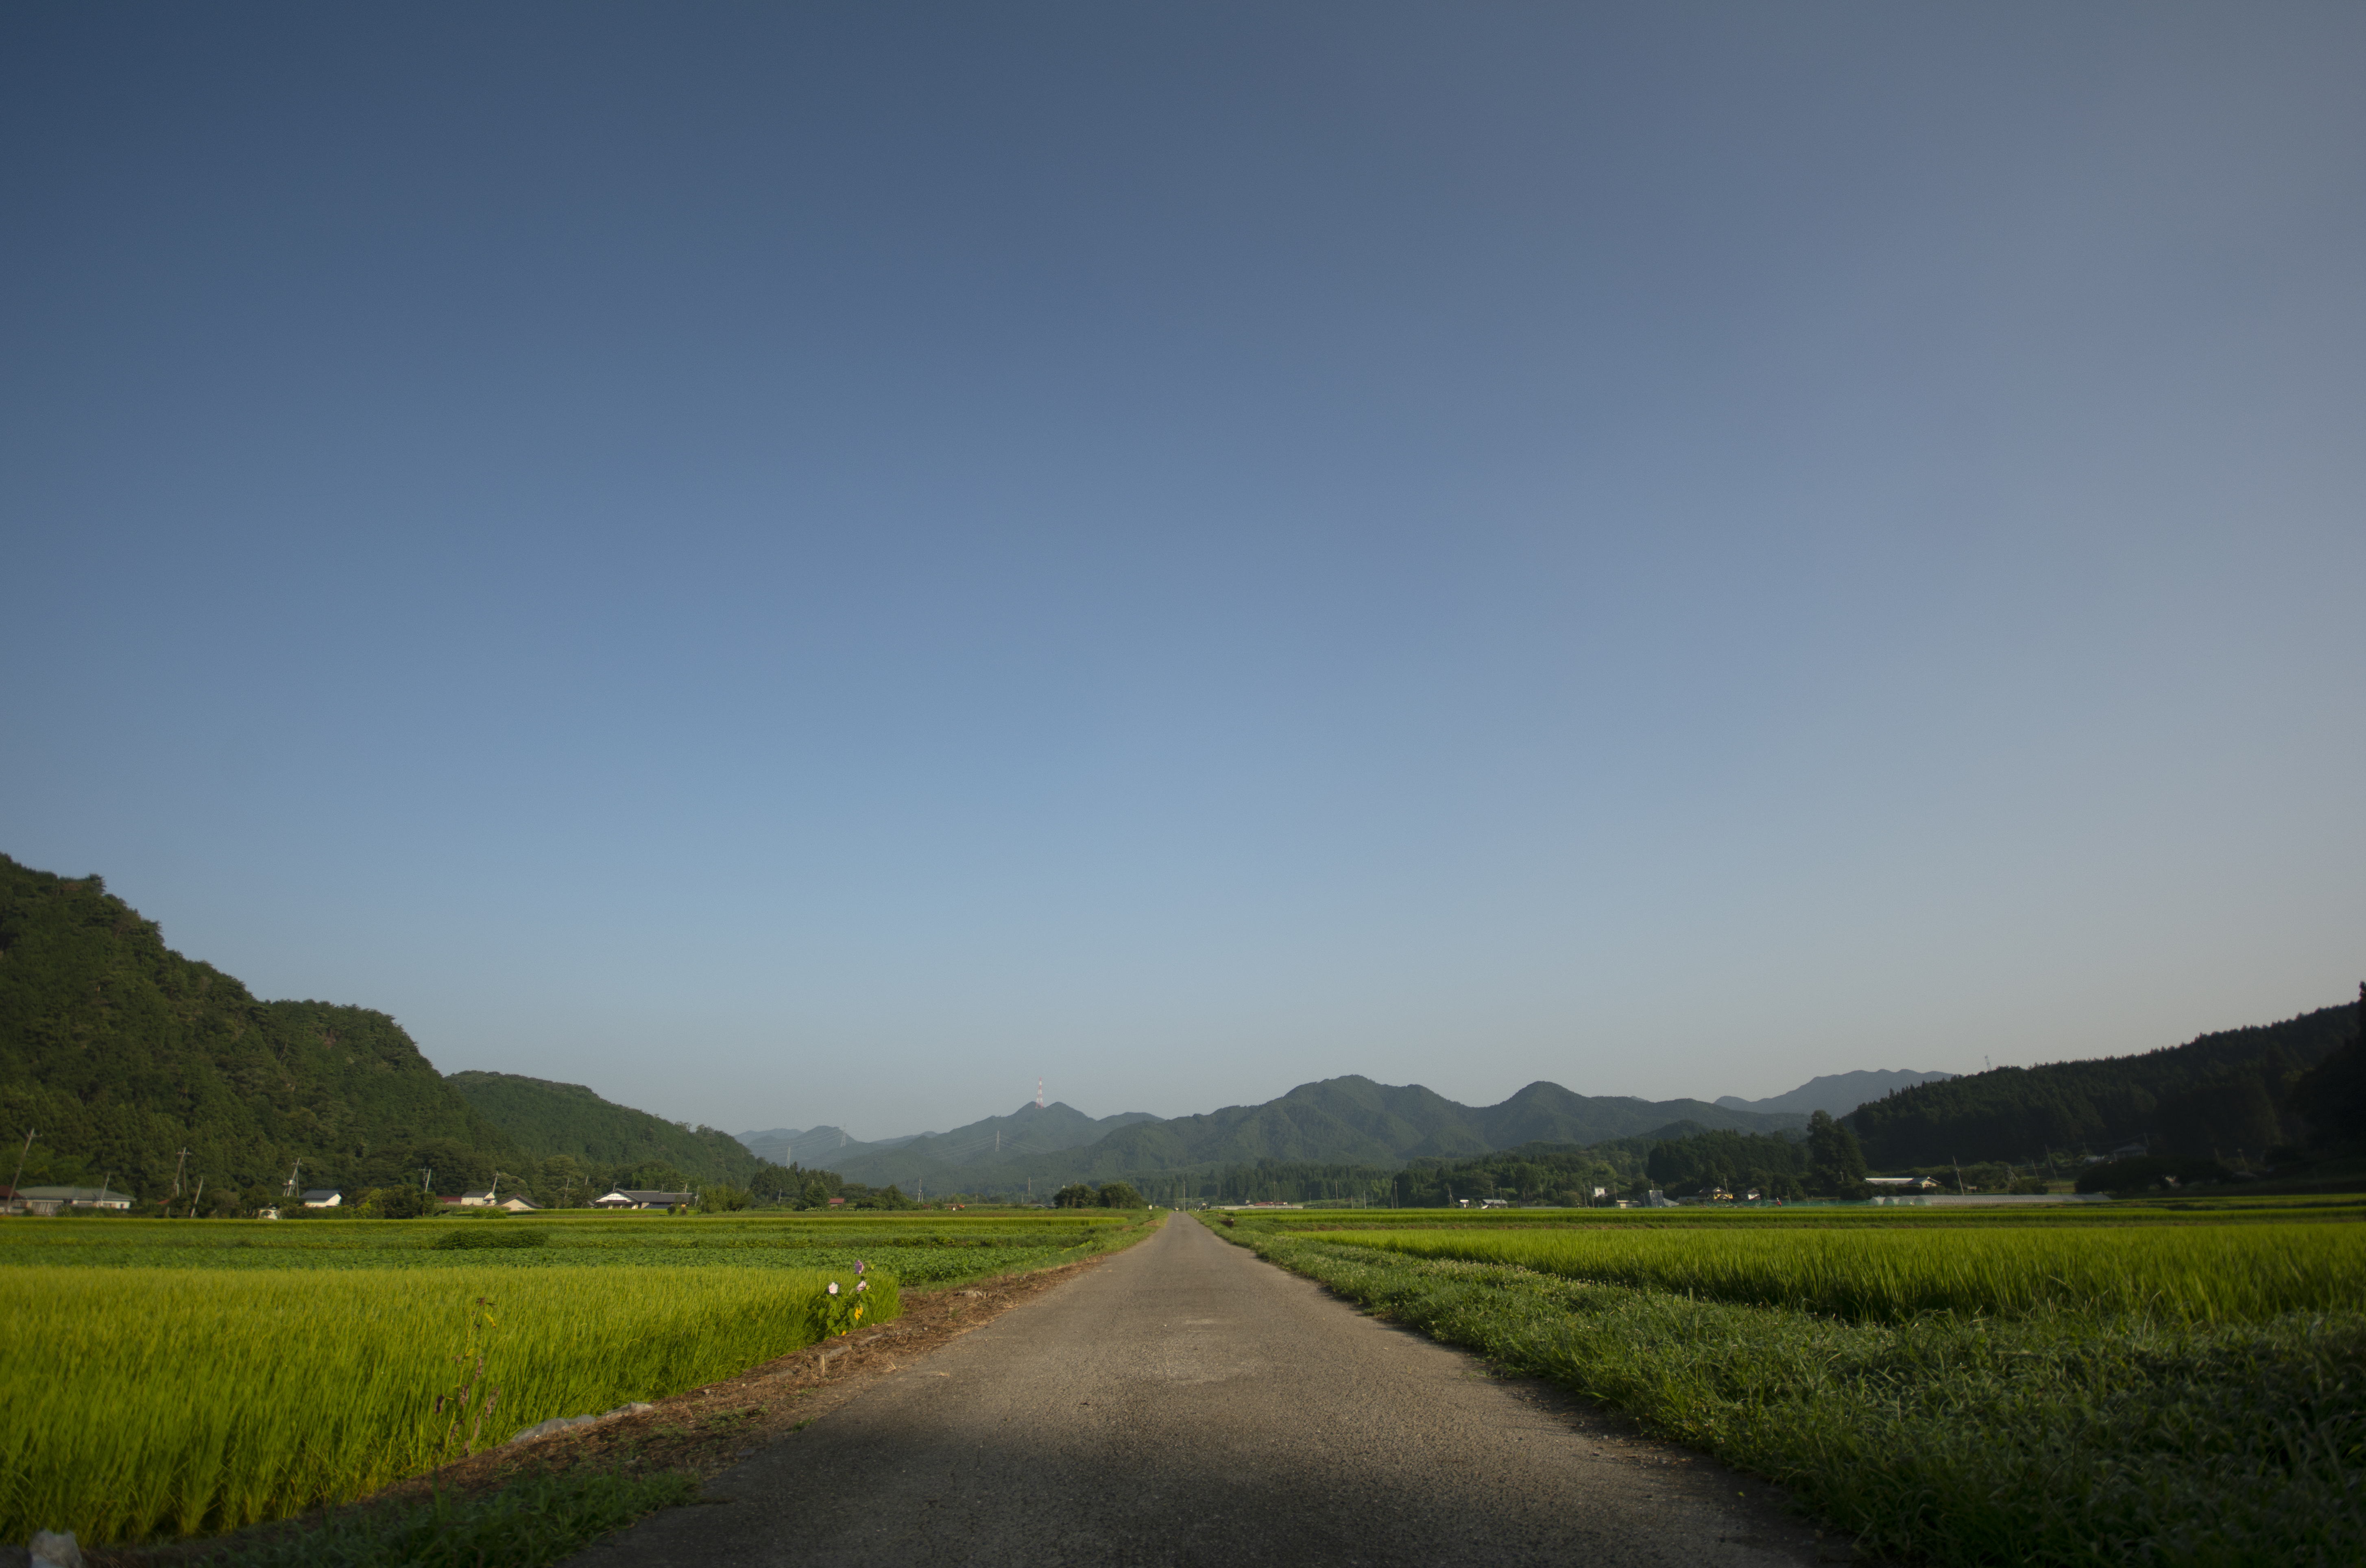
x=1186, y=1403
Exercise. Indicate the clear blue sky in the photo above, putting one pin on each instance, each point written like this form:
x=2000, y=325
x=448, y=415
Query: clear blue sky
x=811, y=564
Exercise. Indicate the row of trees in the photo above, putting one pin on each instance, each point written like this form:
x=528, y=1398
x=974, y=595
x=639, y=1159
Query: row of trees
x=1681, y=1158
x=1109, y=1195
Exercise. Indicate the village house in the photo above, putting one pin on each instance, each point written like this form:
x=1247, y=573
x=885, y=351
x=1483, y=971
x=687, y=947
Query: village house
x=324, y=1198
x=640, y=1197
x=50, y=1200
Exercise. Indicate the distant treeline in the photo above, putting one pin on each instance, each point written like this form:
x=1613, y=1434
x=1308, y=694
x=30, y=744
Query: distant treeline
x=1681, y=1158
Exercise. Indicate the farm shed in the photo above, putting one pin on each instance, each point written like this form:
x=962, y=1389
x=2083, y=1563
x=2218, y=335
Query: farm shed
x=49, y=1200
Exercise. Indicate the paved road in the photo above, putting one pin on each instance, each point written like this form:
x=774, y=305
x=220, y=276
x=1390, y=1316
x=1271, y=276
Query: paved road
x=1185, y=1402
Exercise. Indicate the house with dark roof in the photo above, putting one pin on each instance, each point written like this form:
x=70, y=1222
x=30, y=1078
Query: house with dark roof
x=324, y=1198
x=639, y=1198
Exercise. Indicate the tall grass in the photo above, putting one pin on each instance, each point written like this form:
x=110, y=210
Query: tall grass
x=2190, y=1275
x=166, y=1401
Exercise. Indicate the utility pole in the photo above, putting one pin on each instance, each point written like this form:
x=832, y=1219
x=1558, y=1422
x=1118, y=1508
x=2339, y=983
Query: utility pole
x=199, y=1199
x=293, y=1172
x=176, y=1172
x=14, y=1202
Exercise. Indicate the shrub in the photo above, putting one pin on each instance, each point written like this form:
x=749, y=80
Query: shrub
x=2149, y=1171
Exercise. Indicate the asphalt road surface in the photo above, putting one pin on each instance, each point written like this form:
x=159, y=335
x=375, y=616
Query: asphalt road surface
x=1186, y=1403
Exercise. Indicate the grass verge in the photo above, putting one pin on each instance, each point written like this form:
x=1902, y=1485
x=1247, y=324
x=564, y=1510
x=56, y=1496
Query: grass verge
x=2058, y=1438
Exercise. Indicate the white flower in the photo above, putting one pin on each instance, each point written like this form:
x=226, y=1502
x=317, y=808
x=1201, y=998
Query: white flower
x=864, y=1285
x=833, y=1286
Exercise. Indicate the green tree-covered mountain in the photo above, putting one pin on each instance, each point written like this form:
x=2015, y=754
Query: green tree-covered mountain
x=548, y=1120
x=120, y=1053
x=2219, y=1092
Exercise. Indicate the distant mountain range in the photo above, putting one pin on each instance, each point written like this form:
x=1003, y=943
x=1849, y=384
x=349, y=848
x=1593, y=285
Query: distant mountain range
x=1836, y=1094
x=1345, y=1120
x=812, y=1146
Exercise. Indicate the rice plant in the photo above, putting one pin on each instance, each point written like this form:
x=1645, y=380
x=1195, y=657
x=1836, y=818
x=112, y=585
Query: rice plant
x=2192, y=1274
x=168, y=1402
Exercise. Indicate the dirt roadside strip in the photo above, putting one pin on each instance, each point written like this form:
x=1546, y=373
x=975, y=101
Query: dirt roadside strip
x=1183, y=1402
x=703, y=1430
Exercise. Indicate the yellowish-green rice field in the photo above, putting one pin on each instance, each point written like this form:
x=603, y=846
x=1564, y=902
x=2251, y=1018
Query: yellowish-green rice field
x=163, y=1402
x=2213, y=1274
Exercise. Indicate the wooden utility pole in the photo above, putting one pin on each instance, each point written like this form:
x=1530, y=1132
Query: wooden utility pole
x=14, y=1202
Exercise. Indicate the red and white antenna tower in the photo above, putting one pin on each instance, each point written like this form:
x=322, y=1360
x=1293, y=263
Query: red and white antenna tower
x=1039, y=1094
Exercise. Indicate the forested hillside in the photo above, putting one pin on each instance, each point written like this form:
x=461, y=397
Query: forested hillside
x=552, y=1121
x=120, y=1053
x=2206, y=1099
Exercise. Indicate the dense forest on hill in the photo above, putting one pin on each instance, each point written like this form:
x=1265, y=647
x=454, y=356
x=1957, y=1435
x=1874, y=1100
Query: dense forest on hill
x=2207, y=1098
x=120, y=1053
x=565, y=1120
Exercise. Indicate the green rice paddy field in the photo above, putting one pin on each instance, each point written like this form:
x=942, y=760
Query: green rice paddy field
x=171, y=1378
x=2113, y=1383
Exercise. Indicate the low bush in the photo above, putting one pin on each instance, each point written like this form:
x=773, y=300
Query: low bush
x=2146, y=1173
